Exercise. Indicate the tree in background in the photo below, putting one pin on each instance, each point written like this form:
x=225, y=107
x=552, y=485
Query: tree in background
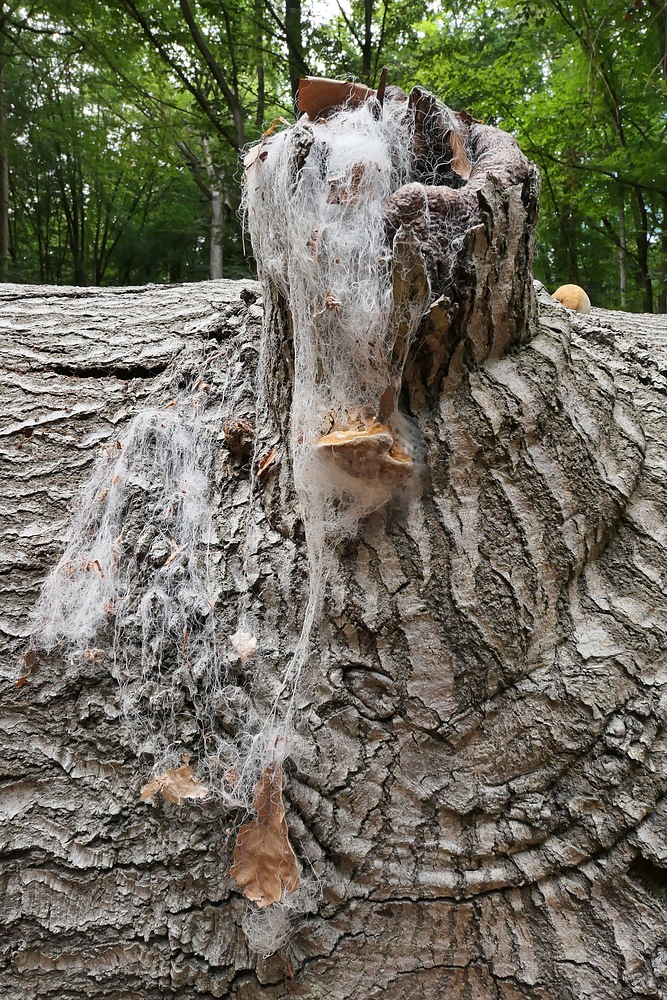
x=582, y=86
x=136, y=147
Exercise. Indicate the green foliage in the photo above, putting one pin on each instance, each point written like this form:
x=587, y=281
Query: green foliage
x=124, y=117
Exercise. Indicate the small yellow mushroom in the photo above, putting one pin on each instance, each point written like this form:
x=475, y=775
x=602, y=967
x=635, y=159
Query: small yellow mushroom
x=573, y=297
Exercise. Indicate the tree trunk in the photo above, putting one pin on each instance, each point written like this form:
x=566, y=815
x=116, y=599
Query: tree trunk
x=217, y=238
x=622, y=253
x=294, y=40
x=482, y=789
x=662, y=274
x=642, y=237
x=4, y=173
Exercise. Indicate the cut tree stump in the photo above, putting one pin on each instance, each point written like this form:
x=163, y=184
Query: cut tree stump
x=485, y=701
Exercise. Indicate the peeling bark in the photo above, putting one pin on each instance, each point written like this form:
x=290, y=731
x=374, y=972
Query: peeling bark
x=484, y=799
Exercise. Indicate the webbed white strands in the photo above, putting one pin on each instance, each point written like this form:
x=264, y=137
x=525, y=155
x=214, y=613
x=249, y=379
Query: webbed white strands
x=314, y=207
x=314, y=202
x=137, y=564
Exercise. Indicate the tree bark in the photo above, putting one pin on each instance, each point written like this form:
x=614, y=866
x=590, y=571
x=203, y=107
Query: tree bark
x=216, y=183
x=483, y=797
x=4, y=170
x=622, y=253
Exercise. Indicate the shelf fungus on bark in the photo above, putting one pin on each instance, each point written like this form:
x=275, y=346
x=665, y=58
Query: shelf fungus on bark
x=366, y=447
x=573, y=297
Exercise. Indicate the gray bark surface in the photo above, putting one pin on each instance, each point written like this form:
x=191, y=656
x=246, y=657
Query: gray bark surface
x=484, y=797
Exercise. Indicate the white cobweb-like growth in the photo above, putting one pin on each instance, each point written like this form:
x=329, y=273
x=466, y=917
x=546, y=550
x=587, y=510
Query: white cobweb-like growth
x=137, y=566
x=314, y=207
x=137, y=580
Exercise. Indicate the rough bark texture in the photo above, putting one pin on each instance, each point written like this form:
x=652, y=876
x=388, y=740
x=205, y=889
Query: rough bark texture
x=485, y=796
x=475, y=232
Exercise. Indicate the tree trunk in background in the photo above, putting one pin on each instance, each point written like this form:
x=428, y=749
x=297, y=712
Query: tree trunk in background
x=484, y=706
x=662, y=277
x=293, y=32
x=642, y=236
x=4, y=173
x=367, y=47
x=622, y=254
x=261, y=83
x=217, y=237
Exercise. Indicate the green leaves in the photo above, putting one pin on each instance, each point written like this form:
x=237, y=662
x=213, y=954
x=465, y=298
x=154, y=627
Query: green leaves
x=126, y=117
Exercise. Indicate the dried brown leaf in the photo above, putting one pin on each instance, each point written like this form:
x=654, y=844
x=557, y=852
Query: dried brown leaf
x=29, y=658
x=460, y=162
x=175, y=784
x=264, y=861
x=267, y=463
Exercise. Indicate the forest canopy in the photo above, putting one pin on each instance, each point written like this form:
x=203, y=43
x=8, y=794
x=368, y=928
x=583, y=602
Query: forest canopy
x=122, y=124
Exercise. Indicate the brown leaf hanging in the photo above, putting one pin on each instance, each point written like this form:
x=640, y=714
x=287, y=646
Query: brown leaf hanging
x=264, y=861
x=267, y=463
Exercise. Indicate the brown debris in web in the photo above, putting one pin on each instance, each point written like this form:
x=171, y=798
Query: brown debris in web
x=267, y=464
x=29, y=662
x=264, y=861
x=244, y=644
x=344, y=190
x=175, y=784
x=239, y=434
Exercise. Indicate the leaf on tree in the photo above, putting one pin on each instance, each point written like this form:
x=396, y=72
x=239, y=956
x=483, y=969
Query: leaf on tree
x=244, y=644
x=264, y=861
x=175, y=784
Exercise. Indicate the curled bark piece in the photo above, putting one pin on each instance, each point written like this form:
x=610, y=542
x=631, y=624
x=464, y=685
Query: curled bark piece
x=319, y=95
